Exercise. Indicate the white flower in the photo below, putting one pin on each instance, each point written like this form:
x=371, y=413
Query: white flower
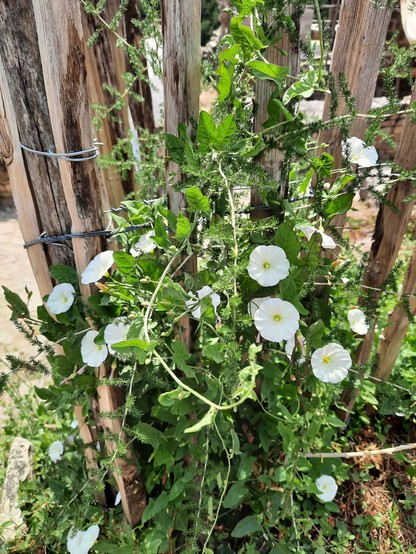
x=330, y=364
x=203, y=293
x=357, y=321
x=74, y=424
x=92, y=354
x=359, y=153
x=97, y=267
x=276, y=320
x=408, y=15
x=327, y=240
x=56, y=450
x=328, y=487
x=80, y=542
x=290, y=347
x=268, y=265
x=115, y=332
x=61, y=298
x=255, y=304
x=145, y=245
x=118, y=499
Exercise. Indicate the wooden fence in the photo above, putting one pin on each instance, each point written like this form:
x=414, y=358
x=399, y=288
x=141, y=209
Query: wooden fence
x=48, y=82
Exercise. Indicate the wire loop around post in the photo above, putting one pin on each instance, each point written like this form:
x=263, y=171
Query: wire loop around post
x=69, y=156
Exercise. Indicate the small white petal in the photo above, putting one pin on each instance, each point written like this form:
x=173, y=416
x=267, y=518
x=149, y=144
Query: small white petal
x=118, y=499
x=145, y=245
x=55, y=451
x=97, y=267
x=328, y=487
x=408, y=15
x=359, y=153
x=357, y=321
x=80, y=542
x=61, y=298
x=268, y=265
x=330, y=364
x=92, y=354
x=276, y=320
x=327, y=240
x=255, y=304
x=74, y=424
x=115, y=332
x=194, y=305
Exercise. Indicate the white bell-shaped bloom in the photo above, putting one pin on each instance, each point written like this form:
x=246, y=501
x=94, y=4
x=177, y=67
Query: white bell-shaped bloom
x=80, y=542
x=328, y=487
x=92, y=354
x=61, y=298
x=358, y=153
x=97, y=267
x=145, y=245
x=330, y=364
x=255, y=304
x=408, y=15
x=276, y=320
x=357, y=321
x=115, y=332
x=308, y=231
x=194, y=303
x=55, y=451
x=268, y=265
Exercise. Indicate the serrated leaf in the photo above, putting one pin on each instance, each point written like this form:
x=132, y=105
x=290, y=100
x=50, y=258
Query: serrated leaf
x=270, y=71
x=196, y=201
x=206, y=133
x=248, y=526
x=183, y=228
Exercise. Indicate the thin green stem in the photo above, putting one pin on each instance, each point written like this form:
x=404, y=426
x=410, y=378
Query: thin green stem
x=321, y=39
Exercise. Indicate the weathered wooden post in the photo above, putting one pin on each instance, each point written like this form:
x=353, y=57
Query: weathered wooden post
x=397, y=325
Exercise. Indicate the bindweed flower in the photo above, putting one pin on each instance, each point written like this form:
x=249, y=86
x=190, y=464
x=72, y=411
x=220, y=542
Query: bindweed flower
x=97, y=267
x=358, y=153
x=115, y=332
x=80, y=542
x=290, y=347
x=276, y=320
x=145, y=245
x=408, y=16
x=357, y=321
x=74, y=424
x=308, y=231
x=268, y=265
x=55, y=451
x=117, y=499
x=92, y=354
x=330, y=364
x=61, y=298
x=255, y=304
x=328, y=487
x=194, y=305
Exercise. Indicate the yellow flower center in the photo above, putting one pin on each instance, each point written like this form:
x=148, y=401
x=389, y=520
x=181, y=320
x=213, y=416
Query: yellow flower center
x=99, y=347
x=65, y=299
x=326, y=359
x=266, y=265
x=277, y=317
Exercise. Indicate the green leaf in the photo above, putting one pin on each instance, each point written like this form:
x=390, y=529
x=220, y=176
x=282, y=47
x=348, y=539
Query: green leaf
x=183, y=228
x=125, y=262
x=196, y=201
x=136, y=343
x=225, y=82
x=323, y=165
x=270, y=71
x=315, y=334
x=168, y=399
x=288, y=292
x=235, y=495
x=287, y=239
x=339, y=205
x=335, y=422
x=16, y=304
x=245, y=37
x=248, y=526
x=206, y=133
x=206, y=420
x=64, y=274
x=180, y=355
x=305, y=183
x=176, y=148
x=226, y=129
x=148, y=434
x=304, y=88
x=281, y=549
